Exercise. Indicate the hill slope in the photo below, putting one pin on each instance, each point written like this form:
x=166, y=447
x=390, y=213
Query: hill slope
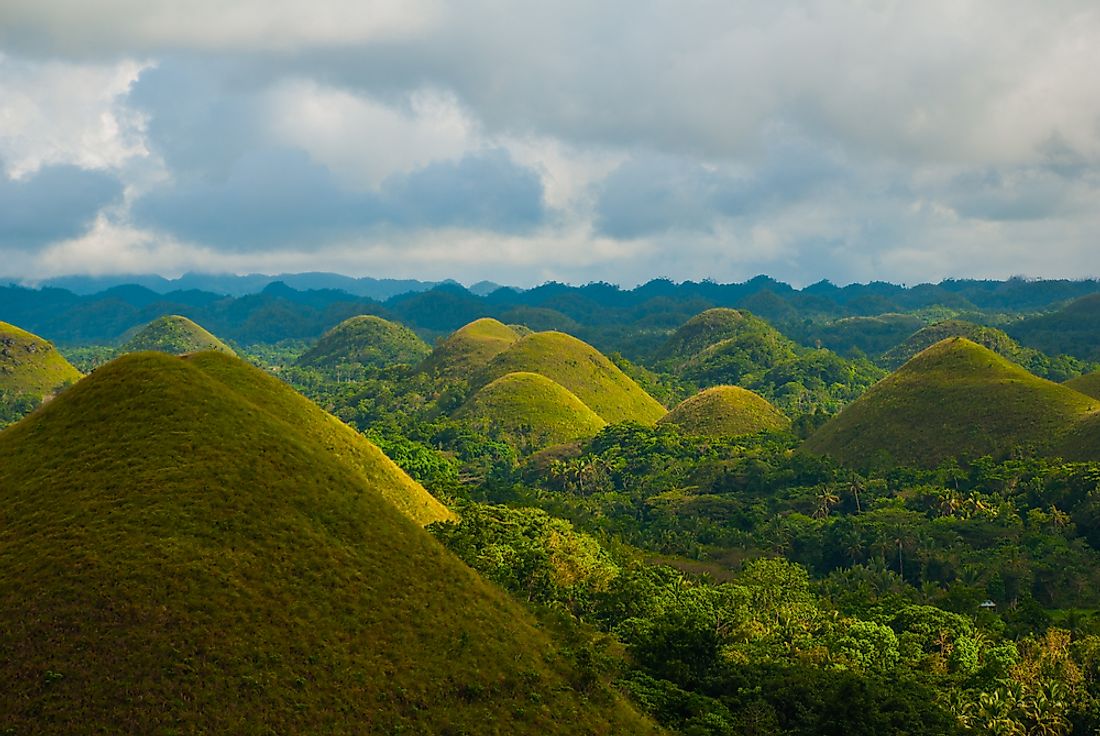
x=583, y=370
x=726, y=411
x=1073, y=330
x=732, y=327
x=368, y=340
x=30, y=366
x=955, y=399
x=1088, y=384
x=996, y=340
x=175, y=335
x=530, y=412
x=177, y=558
x=470, y=348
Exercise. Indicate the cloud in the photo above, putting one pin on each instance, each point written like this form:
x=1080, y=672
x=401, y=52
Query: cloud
x=56, y=202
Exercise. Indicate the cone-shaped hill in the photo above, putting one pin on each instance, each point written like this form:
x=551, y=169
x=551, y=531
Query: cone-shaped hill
x=530, y=412
x=709, y=328
x=996, y=340
x=726, y=411
x=470, y=348
x=368, y=340
x=30, y=366
x=174, y=335
x=178, y=558
x=954, y=399
x=722, y=346
x=1088, y=384
x=582, y=369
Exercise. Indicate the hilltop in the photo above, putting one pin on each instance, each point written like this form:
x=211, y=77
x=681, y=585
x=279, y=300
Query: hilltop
x=1088, y=384
x=726, y=411
x=368, y=340
x=530, y=412
x=470, y=348
x=31, y=366
x=732, y=328
x=954, y=399
x=175, y=335
x=1073, y=329
x=179, y=556
x=583, y=370
x=996, y=340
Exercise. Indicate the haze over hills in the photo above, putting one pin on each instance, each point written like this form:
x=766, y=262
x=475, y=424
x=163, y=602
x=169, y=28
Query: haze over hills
x=954, y=399
x=367, y=340
x=226, y=572
x=726, y=411
x=174, y=335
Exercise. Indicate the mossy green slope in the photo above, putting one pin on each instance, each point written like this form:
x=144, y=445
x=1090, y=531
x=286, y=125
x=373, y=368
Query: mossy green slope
x=1088, y=384
x=725, y=346
x=530, y=412
x=470, y=348
x=582, y=369
x=174, y=335
x=996, y=340
x=356, y=451
x=726, y=411
x=31, y=366
x=368, y=340
x=177, y=559
x=715, y=326
x=1082, y=443
x=954, y=399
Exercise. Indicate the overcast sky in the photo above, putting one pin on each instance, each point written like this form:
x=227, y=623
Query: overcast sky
x=570, y=140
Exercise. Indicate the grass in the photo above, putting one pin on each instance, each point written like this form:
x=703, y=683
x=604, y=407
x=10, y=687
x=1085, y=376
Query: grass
x=30, y=366
x=530, y=412
x=1088, y=384
x=996, y=340
x=708, y=329
x=368, y=340
x=178, y=558
x=470, y=348
x=175, y=335
x=954, y=399
x=1082, y=443
x=583, y=370
x=726, y=411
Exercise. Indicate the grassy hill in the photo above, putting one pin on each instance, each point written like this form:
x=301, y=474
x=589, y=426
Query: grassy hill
x=1073, y=330
x=1088, y=384
x=30, y=366
x=1082, y=443
x=719, y=325
x=954, y=399
x=175, y=335
x=581, y=369
x=368, y=340
x=179, y=558
x=530, y=412
x=470, y=348
x=996, y=340
x=725, y=411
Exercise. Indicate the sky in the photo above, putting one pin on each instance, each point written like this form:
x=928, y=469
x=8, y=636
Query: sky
x=575, y=141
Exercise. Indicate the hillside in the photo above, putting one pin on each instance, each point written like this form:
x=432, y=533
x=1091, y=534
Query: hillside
x=175, y=335
x=30, y=366
x=178, y=558
x=715, y=326
x=726, y=411
x=955, y=399
x=1082, y=443
x=530, y=412
x=368, y=340
x=583, y=370
x=1088, y=384
x=1073, y=330
x=470, y=348
x=996, y=340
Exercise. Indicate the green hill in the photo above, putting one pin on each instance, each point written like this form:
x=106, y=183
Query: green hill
x=30, y=366
x=1073, y=330
x=1088, y=384
x=178, y=558
x=368, y=340
x=719, y=325
x=1082, y=443
x=583, y=370
x=530, y=412
x=470, y=348
x=175, y=335
x=954, y=399
x=726, y=411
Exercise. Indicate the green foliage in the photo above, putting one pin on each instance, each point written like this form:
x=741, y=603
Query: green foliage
x=366, y=340
x=726, y=411
x=174, y=335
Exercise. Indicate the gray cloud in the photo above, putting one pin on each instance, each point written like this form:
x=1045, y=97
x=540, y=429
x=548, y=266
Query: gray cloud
x=55, y=203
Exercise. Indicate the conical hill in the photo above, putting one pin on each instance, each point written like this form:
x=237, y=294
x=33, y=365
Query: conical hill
x=530, y=412
x=31, y=366
x=1088, y=384
x=368, y=340
x=726, y=411
x=176, y=558
x=174, y=335
x=954, y=399
x=470, y=348
x=582, y=369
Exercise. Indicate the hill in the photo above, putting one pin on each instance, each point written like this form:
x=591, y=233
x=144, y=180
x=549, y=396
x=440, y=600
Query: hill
x=724, y=346
x=996, y=340
x=726, y=411
x=1073, y=330
x=175, y=335
x=470, y=348
x=179, y=558
x=30, y=366
x=530, y=412
x=368, y=340
x=583, y=370
x=954, y=399
x=1082, y=443
x=1088, y=384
